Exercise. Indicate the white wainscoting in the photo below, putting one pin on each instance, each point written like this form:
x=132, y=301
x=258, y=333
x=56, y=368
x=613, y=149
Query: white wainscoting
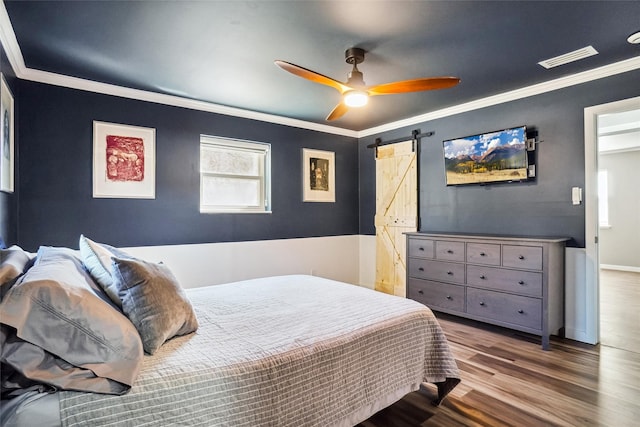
x=350, y=259
x=577, y=318
x=367, y=261
x=336, y=257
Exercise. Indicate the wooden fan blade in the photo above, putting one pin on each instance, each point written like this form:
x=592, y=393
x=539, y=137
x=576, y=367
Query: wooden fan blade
x=311, y=75
x=416, y=85
x=338, y=112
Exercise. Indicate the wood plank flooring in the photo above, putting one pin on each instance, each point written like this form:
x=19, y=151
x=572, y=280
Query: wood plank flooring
x=620, y=309
x=507, y=380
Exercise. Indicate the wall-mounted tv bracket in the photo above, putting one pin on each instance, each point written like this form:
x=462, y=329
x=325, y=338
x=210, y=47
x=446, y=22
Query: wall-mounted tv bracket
x=531, y=141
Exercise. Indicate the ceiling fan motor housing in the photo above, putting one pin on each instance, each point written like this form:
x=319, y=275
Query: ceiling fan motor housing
x=355, y=56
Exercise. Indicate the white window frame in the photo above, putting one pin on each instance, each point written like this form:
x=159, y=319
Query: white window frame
x=264, y=175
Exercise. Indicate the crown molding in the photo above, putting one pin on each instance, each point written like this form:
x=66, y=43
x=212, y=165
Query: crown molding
x=525, y=92
x=176, y=101
x=12, y=49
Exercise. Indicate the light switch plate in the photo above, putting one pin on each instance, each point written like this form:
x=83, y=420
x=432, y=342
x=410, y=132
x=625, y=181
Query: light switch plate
x=576, y=195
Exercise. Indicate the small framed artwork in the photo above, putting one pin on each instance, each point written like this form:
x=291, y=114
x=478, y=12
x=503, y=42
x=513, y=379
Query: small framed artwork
x=319, y=176
x=124, y=161
x=6, y=145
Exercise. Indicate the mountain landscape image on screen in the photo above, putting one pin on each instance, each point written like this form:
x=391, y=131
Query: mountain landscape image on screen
x=490, y=157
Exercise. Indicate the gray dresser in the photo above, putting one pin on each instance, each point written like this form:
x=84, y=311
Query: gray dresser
x=516, y=282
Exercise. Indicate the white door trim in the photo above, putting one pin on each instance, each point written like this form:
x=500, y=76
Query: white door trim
x=592, y=262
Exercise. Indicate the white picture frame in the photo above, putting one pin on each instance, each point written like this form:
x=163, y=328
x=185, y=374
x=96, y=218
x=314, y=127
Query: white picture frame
x=123, y=161
x=318, y=176
x=7, y=155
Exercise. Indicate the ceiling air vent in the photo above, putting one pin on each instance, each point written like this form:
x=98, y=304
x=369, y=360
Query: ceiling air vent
x=569, y=57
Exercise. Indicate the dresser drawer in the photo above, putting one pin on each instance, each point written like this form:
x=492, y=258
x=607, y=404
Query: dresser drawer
x=437, y=295
x=436, y=270
x=420, y=248
x=516, y=281
x=529, y=257
x=449, y=251
x=483, y=253
x=514, y=309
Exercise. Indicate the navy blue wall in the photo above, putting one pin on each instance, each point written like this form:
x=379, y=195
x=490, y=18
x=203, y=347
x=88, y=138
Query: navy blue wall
x=9, y=201
x=56, y=203
x=542, y=207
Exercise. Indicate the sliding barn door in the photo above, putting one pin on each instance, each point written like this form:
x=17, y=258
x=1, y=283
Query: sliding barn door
x=396, y=213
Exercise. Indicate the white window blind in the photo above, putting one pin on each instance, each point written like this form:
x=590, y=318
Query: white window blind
x=234, y=175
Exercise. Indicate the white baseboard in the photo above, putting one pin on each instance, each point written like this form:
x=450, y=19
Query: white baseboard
x=620, y=268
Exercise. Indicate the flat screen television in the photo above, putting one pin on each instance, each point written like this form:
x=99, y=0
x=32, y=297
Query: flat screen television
x=498, y=156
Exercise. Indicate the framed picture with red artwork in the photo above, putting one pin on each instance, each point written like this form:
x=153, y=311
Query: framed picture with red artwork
x=124, y=161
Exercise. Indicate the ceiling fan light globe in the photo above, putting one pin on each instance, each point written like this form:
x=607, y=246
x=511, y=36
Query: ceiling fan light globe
x=356, y=98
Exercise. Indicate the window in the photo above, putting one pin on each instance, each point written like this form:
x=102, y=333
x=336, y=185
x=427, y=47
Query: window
x=234, y=175
x=603, y=199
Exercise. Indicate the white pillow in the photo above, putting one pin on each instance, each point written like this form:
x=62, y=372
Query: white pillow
x=96, y=257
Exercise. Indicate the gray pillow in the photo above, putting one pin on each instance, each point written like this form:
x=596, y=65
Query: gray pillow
x=96, y=257
x=153, y=300
x=13, y=262
x=56, y=306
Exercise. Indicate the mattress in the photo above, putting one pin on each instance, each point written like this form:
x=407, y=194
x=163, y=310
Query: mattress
x=279, y=351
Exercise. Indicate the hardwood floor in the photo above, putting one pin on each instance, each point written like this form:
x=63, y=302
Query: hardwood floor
x=507, y=380
x=620, y=309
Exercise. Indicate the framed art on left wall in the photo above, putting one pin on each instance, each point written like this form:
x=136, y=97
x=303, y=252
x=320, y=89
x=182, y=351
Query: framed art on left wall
x=6, y=136
x=319, y=176
x=123, y=161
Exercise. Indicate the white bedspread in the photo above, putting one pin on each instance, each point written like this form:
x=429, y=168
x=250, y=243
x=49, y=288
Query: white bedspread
x=279, y=351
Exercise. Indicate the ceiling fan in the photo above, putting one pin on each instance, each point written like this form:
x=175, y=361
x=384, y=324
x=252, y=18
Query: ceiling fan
x=354, y=92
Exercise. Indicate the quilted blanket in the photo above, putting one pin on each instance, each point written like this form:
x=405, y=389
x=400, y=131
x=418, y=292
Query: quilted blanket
x=280, y=351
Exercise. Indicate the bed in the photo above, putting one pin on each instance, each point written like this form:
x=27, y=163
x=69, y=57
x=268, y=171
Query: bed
x=278, y=351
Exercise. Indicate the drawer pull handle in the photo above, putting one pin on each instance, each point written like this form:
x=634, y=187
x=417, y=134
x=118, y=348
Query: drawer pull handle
x=420, y=269
x=421, y=248
x=482, y=303
x=483, y=254
x=449, y=251
x=520, y=256
x=482, y=277
x=520, y=282
x=450, y=273
x=521, y=311
x=448, y=297
x=421, y=292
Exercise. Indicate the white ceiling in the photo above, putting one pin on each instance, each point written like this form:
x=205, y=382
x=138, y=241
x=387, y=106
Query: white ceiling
x=619, y=132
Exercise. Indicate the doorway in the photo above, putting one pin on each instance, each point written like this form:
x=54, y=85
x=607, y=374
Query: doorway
x=612, y=217
x=396, y=213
